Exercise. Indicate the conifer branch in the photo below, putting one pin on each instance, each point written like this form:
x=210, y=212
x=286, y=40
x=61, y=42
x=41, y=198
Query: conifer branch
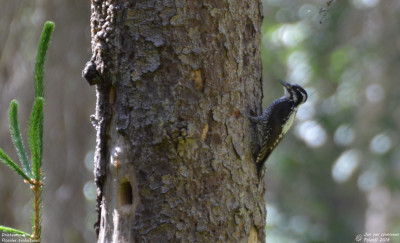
x=17, y=137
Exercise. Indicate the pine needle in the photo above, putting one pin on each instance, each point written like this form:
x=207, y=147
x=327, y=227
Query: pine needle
x=41, y=57
x=17, y=137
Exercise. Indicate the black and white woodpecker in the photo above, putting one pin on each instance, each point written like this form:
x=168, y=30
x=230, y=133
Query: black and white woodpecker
x=276, y=121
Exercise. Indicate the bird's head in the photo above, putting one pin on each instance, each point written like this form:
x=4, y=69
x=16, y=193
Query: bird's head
x=294, y=92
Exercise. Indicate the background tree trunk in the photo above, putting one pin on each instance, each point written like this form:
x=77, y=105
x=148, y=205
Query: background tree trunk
x=173, y=159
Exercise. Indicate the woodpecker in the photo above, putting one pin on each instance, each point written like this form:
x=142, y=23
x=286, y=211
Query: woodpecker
x=276, y=120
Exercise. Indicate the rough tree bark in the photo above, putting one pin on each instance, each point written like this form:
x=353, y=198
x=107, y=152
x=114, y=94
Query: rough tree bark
x=174, y=160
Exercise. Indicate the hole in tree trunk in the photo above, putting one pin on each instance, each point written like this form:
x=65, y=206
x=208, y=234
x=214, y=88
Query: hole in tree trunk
x=124, y=193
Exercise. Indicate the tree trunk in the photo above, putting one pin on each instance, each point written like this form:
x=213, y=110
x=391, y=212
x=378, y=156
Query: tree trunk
x=174, y=81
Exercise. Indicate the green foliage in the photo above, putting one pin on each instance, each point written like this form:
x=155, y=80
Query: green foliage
x=6, y=160
x=13, y=231
x=41, y=57
x=31, y=172
x=36, y=136
x=17, y=138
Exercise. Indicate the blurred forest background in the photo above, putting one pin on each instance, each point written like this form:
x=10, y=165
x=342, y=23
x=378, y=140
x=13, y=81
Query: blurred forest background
x=336, y=174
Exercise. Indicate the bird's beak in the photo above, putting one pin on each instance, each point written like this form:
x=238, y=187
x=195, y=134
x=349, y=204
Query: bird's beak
x=285, y=84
